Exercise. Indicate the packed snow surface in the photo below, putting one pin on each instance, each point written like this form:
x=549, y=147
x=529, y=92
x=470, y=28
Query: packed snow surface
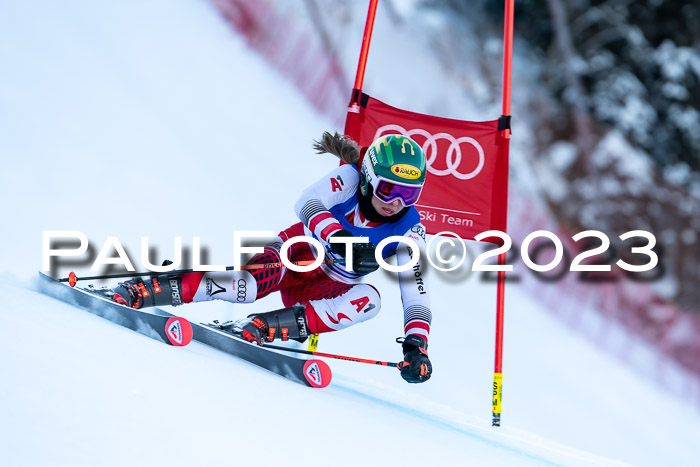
x=129, y=119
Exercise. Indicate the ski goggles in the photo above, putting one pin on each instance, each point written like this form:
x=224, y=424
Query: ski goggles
x=387, y=192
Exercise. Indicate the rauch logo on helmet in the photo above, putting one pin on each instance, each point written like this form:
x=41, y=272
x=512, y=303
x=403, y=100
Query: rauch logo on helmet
x=406, y=171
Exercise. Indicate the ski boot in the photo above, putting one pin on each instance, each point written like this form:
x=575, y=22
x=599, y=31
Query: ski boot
x=287, y=323
x=154, y=291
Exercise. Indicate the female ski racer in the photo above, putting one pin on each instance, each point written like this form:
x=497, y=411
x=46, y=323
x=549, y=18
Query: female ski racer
x=372, y=195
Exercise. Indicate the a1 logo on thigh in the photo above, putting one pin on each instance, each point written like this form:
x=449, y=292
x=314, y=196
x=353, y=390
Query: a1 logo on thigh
x=361, y=303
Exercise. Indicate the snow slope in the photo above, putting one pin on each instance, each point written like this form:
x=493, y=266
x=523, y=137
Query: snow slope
x=133, y=119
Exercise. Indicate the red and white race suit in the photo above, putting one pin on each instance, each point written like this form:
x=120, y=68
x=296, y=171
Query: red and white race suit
x=334, y=298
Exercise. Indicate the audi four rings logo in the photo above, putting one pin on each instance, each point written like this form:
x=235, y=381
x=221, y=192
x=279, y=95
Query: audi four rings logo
x=430, y=148
x=241, y=291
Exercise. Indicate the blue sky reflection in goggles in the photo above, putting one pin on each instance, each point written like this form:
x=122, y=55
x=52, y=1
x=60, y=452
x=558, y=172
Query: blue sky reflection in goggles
x=387, y=192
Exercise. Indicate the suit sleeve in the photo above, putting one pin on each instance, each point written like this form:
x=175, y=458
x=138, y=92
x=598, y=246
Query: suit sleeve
x=414, y=288
x=313, y=206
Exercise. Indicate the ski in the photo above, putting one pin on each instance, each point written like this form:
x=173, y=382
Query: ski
x=154, y=323
x=313, y=373
x=175, y=330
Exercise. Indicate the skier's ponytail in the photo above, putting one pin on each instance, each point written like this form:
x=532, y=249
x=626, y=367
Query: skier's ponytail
x=339, y=145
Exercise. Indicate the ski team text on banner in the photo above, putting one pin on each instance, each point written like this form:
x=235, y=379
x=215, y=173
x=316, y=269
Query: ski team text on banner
x=466, y=190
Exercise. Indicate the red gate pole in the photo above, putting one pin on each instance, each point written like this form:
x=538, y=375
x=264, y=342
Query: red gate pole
x=501, y=287
x=366, y=39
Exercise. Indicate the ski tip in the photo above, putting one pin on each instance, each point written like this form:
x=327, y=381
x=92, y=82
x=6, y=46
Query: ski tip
x=178, y=331
x=317, y=373
x=72, y=279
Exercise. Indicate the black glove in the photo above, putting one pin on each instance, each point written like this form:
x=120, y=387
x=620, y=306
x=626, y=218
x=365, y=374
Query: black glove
x=416, y=367
x=363, y=260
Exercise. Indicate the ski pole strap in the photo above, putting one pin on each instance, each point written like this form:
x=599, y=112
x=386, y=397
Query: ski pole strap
x=329, y=355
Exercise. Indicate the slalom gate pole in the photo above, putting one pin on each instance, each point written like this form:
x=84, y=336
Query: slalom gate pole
x=337, y=357
x=501, y=286
x=72, y=279
x=364, y=52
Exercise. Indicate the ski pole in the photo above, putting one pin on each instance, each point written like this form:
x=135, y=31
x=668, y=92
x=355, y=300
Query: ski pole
x=72, y=279
x=338, y=357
